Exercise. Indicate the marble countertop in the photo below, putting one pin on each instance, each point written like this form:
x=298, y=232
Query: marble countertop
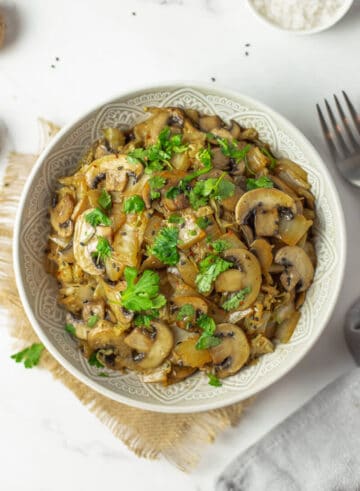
x=67, y=57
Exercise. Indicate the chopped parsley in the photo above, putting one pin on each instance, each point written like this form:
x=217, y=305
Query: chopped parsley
x=92, y=320
x=156, y=183
x=144, y=294
x=176, y=219
x=164, y=246
x=230, y=149
x=103, y=249
x=144, y=320
x=97, y=217
x=173, y=192
x=235, y=299
x=29, y=356
x=105, y=200
x=210, y=268
x=133, y=204
x=213, y=188
x=220, y=245
x=158, y=156
x=70, y=328
x=94, y=362
x=213, y=380
x=203, y=222
x=185, y=312
x=207, y=339
x=260, y=182
x=272, y=159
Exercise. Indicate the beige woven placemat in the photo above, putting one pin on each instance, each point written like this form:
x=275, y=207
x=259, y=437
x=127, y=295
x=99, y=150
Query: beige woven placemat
x=176, y=437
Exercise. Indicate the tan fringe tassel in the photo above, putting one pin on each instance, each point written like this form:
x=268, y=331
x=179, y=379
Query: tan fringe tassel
x=176, y=437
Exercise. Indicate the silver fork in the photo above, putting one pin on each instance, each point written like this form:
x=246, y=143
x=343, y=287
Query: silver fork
x=345, y=147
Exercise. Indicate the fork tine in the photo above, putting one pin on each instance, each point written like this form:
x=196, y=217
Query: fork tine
x=327, y=134
x=346, y=123
x=337, y=130
x=354, y=115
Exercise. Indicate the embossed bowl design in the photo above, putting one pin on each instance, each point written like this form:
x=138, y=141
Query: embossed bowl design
x=38, y=290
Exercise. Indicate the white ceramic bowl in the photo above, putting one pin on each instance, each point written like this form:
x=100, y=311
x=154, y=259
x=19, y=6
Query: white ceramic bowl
x=38, y=290
x=334, y=20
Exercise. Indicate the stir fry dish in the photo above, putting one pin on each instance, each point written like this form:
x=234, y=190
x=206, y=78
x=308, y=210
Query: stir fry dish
x=181, y=244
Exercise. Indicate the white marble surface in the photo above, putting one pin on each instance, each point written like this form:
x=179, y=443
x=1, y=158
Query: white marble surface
x=48, y=440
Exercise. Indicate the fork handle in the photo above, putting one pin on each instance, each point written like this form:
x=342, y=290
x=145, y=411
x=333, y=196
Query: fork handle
x=352, y=330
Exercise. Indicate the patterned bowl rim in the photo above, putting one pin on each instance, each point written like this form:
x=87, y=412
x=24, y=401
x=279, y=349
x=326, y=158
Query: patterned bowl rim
x=265, y=382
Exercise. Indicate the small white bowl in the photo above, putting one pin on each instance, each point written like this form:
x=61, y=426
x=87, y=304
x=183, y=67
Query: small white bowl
x=339, y=15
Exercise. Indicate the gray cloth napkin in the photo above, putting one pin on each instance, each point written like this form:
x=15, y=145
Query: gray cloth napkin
x=315, y=449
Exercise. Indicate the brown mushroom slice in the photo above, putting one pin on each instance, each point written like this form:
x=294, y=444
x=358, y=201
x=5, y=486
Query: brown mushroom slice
x=114, y=137
x=151, y=262
x=235, y=129
x=291, y=231
x=209, y=123
x=115, y=170
x=265, y=198
x=94, y=308
x=188, y=270
x=249, y=267
x=199, y=305
x=148, y=131
x=81, y=329
x=60, y=216
x=219, y=160
x=152, y=228
x=186, y=353
x=263, y=251
x=233, y=351
x=231, y=280
x=260, y=345
x=266, y=222
x=190, y=233
x=112, y=298
x=158, y=375
x=286, y=329
x=310, y=251
x=257, y=161
x=160, y=349
x=230, y=203
x=295, y=259
x=179, y=286
x=290, y=278
x=140, y=340
x=84, y=245
x=193, y=114
x=232, y=240
x=179, y=373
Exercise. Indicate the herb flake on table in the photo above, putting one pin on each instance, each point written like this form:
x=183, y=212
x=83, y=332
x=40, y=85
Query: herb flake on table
x=29, y=356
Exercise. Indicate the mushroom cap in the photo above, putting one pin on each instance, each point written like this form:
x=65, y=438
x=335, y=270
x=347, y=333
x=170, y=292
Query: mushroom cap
x=161, y=347
x=249, y=267
x=295, y=257
x=266, y=198
x=232, y=353
x=84, y=243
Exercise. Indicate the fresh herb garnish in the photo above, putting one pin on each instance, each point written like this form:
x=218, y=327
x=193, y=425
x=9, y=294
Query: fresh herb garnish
x=176, y=219
x=94, y=362
x=144, y=294
x=29, y=356
x=97, y=217
x=260, y=182
x=156, y=183
x=146, y=318
x=207, y=339
x=213, y=380
x=203, y=222
x=220, y=245
x=213, y=188
x=133, y=204
x=235, y=299
x=272, y=159
x=105, y=199
x=103, y=249
x=92, y=320
x=157, y=156
x=230, y=149
x=210, y=268
x=164, y=246
x=186, y=311
x=173, y=192
x=70, y=328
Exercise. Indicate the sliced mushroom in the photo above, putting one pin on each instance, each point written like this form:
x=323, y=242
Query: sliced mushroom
x=199, y=305
x=160, y=349
x=114, y=137
x=81, y=329
x=296, y=262
x=285, y=330
x=231, y=280
x=260, y=345
x=179, y=373
x=263, y=251
x=232, y=240
x=291, y=231
x=84, y=244
x=60, y=216
x=257, y=161
x=115, y=170
x=159, y=375
x=186, y=353
x=233, y=351
x=140, y=339
x=94, y=308
x=266, y=199
x=235, y=129
x=188, y=270
x=249, y=267
x=219, y=160
x=209, y=123
x=190, y=233
x=266, y=222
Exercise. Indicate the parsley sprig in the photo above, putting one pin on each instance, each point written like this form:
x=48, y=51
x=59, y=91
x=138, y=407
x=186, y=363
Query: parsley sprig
x=97, y=217
x=260, y=182
x=142, y=294
x=156, y=183
x=235, y=299
x=29, y=356
x=210, y=268
x=103, y=249
x=165, y=246
x=207, y=339
x=105, y=200
x=144, y=319
x=230, y=149
x=213, y=380
x=133, y=204
x=213, y=188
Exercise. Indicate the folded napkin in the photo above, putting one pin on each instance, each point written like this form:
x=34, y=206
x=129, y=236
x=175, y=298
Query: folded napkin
x=316, y=449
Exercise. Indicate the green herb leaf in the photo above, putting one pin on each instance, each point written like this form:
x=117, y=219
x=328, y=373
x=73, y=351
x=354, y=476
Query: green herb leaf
x=92, y=320
x=272, y=159
x=70, y=328
x=230, y=149
x=261, y=182
x=146, y=318
x=205, y=342
x=105, y=200
x=207, y=324
x=94, y=362
x=210, y=268
x=29, y=356
x=133, y=204
x=185, y=311
x=220, y=245
x=156, y=183
x=137, y=156
x=210, y=188
x=205, y=156
x=143, y=295
x=97, y=217
x=103, y=249
x=213, y=380
x=207, y=339
x=173, y=192
x=203, y=222
x=176, y=219
x=164, y=246
x=235, y=299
